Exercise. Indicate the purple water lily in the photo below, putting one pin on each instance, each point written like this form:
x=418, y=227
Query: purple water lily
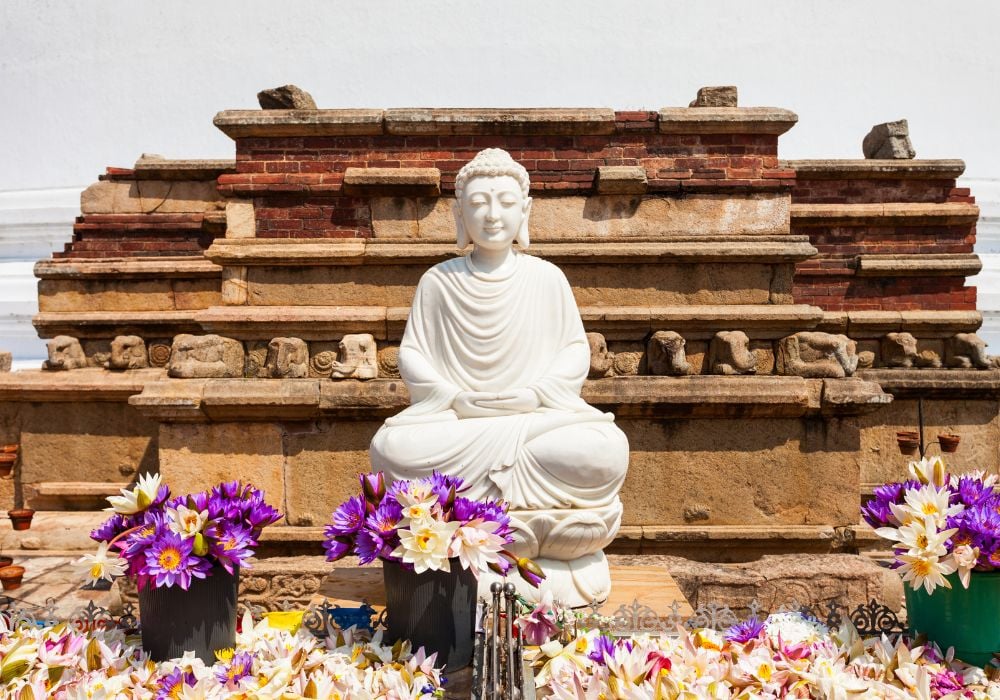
x=349, y=516
x=239, y=667
x=744, y=631
x=170, y=561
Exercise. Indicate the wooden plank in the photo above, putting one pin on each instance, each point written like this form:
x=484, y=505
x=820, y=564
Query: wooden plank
x=651, y=586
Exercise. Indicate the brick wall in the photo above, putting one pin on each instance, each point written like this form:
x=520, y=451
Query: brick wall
x=296, y=182
x=828, y=280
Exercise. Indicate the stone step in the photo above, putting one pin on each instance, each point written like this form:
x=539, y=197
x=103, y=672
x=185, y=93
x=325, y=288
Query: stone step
x=876, y=169
x=887, y=214
x=70, y=495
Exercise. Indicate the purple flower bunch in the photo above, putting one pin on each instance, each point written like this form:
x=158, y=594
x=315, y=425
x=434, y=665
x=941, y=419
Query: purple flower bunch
x=967, y=508
x=164, y=541
x=422, y=524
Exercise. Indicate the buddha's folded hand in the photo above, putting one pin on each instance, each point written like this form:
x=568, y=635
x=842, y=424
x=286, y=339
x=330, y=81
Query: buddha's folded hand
x=513, y=400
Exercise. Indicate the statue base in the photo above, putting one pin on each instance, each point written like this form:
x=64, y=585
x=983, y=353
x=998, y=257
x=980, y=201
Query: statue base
x=576, y=583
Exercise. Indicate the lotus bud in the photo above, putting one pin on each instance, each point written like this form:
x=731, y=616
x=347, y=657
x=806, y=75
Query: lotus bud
x=373, y=486
x=199, y=546
x=530, y=571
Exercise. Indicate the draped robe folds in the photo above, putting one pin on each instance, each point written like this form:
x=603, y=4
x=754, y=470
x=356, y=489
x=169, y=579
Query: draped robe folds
x=469, y=331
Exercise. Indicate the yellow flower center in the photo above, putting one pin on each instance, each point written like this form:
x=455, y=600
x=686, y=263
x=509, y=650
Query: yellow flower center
x=229, y=544
x=764, y=672
x=922, y=541
x=169, y=559
x=424, y=542
x=921, y=567
x=97, y=570
x=929, y=509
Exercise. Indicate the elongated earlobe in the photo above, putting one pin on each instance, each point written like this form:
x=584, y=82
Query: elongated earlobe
x=461, y=237
x=522, y=238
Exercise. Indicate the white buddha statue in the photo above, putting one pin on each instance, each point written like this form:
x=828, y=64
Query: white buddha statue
x=494, y=356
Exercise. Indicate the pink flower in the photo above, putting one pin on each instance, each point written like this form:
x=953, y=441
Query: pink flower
x=538, y=626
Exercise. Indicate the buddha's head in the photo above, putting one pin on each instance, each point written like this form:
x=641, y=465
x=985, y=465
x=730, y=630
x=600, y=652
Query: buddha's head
x=492, y=202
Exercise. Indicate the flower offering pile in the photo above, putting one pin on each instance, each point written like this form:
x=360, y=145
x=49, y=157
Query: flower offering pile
x=166, y=541
x=425, y=524
x=940, y=523
x=786, y=655
x=62, y=664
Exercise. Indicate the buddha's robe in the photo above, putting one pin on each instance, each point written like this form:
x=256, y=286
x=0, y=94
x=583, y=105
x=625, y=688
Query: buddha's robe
x=470, y=331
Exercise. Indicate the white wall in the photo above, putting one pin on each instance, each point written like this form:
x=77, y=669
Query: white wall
x=94, y=83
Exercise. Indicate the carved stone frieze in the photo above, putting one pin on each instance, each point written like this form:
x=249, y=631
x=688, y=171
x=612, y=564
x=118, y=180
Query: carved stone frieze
x=601, y=359
x=966, y=351
x=287, y=358
x=65, y=353
x=388, y=362
x=356, y=358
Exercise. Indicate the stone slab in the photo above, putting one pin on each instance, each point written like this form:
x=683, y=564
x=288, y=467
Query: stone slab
x=292, y=122
x=621, y=179
x=938, y=383
x=859, y=169
x=108, y=324
x=888, y=214
x=602, y=217
x=306, y=322
x=151, y=196
x=726, y=120
x=87, y=385
x=107, y=293
x=126, y=268
x=155, y=167
x=500, y=122
x=382, y=182
x=875, y=324
x=924, y=265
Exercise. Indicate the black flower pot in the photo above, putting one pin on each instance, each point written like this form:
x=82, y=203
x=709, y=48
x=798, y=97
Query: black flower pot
x=435, y=610
x=201, y=619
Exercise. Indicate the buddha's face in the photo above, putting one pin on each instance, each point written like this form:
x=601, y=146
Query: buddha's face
x=493, y=211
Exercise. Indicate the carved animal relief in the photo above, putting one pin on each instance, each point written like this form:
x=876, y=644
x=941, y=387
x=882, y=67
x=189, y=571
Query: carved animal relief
x=665, y=354
x=287, y=358
x=128, y=352
x=601, y=360
x=729, y=353
x=205, y=356
x=65, y=353
x=356, y=358
x=817, y=355
x=967, y=350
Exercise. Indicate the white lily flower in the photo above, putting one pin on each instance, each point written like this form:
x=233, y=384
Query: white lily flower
x=185, y=521
x=103, y=564
x=425, y=544
x=476, y=545
x=138, y=498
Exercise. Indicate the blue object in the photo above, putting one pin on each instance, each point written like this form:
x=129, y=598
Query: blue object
x=352, y=617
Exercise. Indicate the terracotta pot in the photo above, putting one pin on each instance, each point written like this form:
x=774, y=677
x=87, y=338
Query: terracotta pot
x=948, y=442
x=10, y=577
x=9, y=449
x=5, y=560
x=20, y=518
x=908, y=446
x=908, y=434
x=7, y=460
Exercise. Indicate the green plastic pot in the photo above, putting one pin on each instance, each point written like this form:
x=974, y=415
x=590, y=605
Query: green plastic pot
x=967, y=619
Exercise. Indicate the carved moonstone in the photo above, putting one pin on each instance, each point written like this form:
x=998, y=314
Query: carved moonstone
x=388, y=362
x=665, y=354
x=627, y=364
x=729, y=353
x=601, y=360
x=159, y=354
x=287, y=358
x=967, y=350
x=205, y=356
x=128, y=352
x=817, y=355
x=494, y=356
x=65, y=353
x=357, y=358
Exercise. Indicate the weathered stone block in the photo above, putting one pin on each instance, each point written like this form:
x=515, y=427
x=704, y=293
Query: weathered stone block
x=729, y=353
x=285, y=97
x=151, y=196
x=716, y=96
x=241, y=222
x=817, y=355
x=287, y=357
x=621, y=179
x=890, y=140
x=65, y=353
x=194, y=457
x=6, y=361
x=128, y=352
x=198, y=356
x=601, y=359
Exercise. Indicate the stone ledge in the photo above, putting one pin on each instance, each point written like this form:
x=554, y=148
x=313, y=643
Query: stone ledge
x=389, y=182
x=892, y=214
x=77, y=385
x=273, y=400
x=726, y=120
x=152, y=167
x=359, y=251
x=875, y=324
x=126, y=268
x=860, y=169
x=107, y=324
x=505, y=122
x=932, y=265
x=957, y=384
x=241, y=123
